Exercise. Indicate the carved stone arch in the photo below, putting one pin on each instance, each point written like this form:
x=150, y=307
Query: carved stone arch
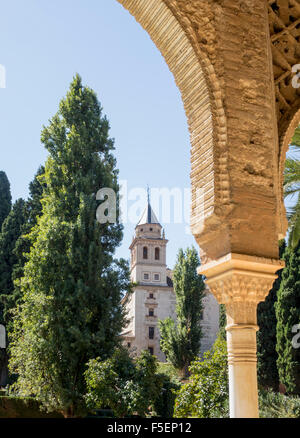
x=187, y=54
x=286, y=132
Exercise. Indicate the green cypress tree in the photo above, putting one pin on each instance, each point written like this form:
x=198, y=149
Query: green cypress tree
x=33, y=210
x=266, y=337
x=180, y=341
x=72, y=285
x=11, y=230
x=14, y=244
x=288, y=316
x=5, y=197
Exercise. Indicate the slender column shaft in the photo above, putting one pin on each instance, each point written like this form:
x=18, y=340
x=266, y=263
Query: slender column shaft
x=242, y=367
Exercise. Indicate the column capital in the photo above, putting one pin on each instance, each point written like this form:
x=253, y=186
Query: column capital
x=241, y=282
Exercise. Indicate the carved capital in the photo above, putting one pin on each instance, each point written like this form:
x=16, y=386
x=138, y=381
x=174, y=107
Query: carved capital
x=241, y=282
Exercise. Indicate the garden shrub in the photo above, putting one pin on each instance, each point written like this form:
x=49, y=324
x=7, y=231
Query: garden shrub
x=205, y=395
x=19, y=407
x=276, y=405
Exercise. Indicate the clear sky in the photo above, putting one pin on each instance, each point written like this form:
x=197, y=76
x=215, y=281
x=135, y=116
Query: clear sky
x=42, y=45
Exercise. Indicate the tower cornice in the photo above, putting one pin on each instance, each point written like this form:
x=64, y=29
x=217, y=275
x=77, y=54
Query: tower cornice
x=148, y=240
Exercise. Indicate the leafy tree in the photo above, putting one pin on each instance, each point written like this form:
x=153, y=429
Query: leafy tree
x=180, y=341
x=292, y=188
x=128, y=387
x=266, y=337
x=5, y=197
x=288, y=318
x=72, y=287
x=206, y=393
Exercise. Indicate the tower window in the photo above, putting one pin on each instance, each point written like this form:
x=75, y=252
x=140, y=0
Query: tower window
x=157, y=253
x=145, y=252
x=146, y=276
x=151, y=229
x=128, y=344
x=156, y=277
x=151, y=295
x=151, y=312
x=151, y=332
x=151, y=350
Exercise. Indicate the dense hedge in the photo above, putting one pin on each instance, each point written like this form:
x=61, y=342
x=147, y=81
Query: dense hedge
x=17, y=407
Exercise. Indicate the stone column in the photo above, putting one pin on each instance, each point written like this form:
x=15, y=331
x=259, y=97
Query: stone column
x=241, y=282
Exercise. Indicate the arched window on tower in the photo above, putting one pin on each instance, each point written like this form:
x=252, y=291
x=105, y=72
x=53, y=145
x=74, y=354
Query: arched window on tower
x=157, y=253
x=145, y=252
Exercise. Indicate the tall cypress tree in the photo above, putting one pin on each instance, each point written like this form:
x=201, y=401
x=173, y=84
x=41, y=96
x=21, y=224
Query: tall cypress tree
x=33, y=209
x=266, y=337
x=5, y=197
x=288, y=316
x=180, y=340
x=72, y=285
x=14, y=244
x=11, y=230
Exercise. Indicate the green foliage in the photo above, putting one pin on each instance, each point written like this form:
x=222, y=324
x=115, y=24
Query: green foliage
x=206, y=393
x=275, y=405
x=164, y=404
x=292, y=189
x=168, y=370
x=288, y=315
x=266, y=337
x=32, y=211
x=222, y=321
x=5, y=197
x=180, y=341
x=296, y=138
x=12, y=229
x=18, y=407
x=72, y=286
x=127, y=387
x=13, y=246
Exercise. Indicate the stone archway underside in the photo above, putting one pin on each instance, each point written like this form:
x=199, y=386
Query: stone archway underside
x=284, y=21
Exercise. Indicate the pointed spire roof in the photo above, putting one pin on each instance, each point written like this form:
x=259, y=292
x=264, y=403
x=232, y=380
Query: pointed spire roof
x=148, y=216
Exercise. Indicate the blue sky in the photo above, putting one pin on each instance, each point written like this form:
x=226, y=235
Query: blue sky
x=43, y=44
